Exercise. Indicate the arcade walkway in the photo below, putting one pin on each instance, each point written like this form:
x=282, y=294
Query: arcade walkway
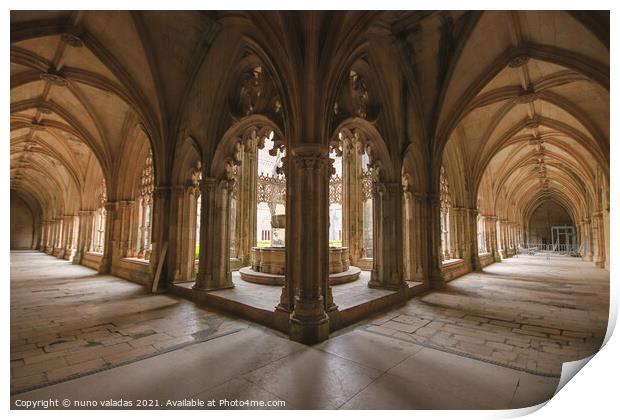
x=488, y=340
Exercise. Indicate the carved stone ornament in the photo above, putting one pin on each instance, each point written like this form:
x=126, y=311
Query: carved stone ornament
x=526, y=97
x=518, y=61
x=54, y=79
x=533, y=123
x=72, y=40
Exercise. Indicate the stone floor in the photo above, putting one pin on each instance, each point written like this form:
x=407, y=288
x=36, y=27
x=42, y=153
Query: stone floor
x=441, y=350
x=66, y=320
x=530, y=313
x=267, y=297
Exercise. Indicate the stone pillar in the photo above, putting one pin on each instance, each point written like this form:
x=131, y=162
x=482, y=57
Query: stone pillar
x=492, y=246
x=214, y=264
x=69, y=236
x=588, y=239
x=409, y=257
x=460, y=240
x=352, y=203
x=387, y=235
x=182, y=249
x=82, y=229
x=307, y=242
x=126, y=227
x=57, y=245
x=474, y=253
x=420, y=229
x=599, y=258
x=44, y=234
x=246, y=204
x=433, y=220
x=111, y=216
x=159, y=229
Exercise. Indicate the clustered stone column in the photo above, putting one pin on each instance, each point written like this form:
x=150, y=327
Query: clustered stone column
x=472, y=227
x=599, y=229
x=352, y=200
x=69, y=236
x=185, y=200
x=245, y=234
x=387, y=232
x=159, y=226
x=85, y=233
x=110, y=239
x=307, y=242
x=126, y=228
x=214, y=264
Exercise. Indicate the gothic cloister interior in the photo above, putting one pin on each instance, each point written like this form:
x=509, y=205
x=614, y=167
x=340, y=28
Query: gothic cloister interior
x=324, y=208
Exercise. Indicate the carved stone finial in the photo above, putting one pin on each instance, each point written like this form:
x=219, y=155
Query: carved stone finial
x=526, y=97
x=54, y=78
x=518, y=61
x=533, y=123
x=72, y=40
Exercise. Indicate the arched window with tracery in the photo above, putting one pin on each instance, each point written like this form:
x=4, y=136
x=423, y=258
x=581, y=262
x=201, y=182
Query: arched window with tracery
x=145, y=208
x=445, y=204
x=98, y=243
x=270, y=195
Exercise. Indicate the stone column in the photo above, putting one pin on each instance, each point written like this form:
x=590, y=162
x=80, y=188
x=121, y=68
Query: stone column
x=491, y=225
x=111, y=216
x=419, y=228
x=460, y=224
x=436, y=253
x=182, y=248
x=125, y=209
x=80, y=248
x=159, y=229
x=69, y=235
x=387, y=235
x=587, y=223
x=44, y=233
x=214, y=264
x=307, y=242
x=57, y=246
x=474, y=252
x=599, y=258
x=409, y=257
x=246, y=204
x=503, y=245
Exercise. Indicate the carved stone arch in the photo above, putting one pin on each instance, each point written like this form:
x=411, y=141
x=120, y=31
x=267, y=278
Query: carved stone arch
x=453, y=163
x=134, y=150
x=355, y=92
x=237, y=95
x=236, y=138
x=187, y=158
x=361, y=131
x=415, y=168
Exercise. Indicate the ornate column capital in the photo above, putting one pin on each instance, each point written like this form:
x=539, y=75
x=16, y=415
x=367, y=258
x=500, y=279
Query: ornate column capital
x=161, y=192
x=207, y=185
x=310, y=156
x=110, y=206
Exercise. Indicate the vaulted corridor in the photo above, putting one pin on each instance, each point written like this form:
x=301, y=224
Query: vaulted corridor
x=501, y=335
x=338, y=209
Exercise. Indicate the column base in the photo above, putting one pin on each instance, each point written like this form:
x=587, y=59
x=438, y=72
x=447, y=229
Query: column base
x=309, y=324
x=212, y=289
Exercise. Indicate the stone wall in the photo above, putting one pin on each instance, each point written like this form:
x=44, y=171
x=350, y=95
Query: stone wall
x=22, y=224
x=547, y=215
